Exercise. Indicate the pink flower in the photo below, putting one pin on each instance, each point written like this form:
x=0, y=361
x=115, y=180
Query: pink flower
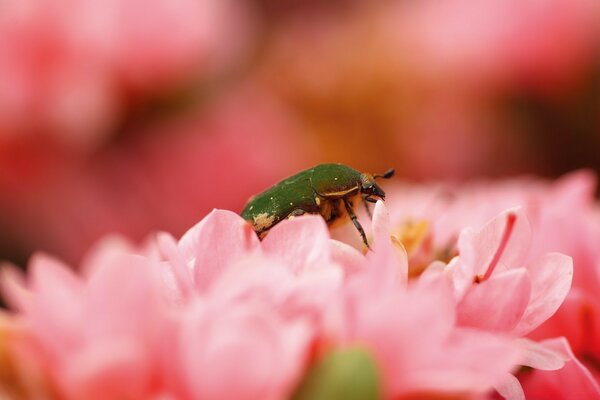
x=164, y=177
x=21, y=372
x=175, y=327
x=509, y=254
x=74, y=64
x=185, y=319
x=494, y=42
x=412, y=332
x=498, y=290
x=99, y=335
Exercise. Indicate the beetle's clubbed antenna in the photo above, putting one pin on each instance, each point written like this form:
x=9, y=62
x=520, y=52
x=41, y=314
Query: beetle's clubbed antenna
x=386, y=175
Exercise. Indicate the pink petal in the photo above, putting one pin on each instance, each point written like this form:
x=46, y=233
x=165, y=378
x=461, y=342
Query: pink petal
x=253, y=279
x=464, y=266
x=381, y=223
x=180, y=271
x=574, y=319
x=300, y=243
x=543, y=355
x=573, y=381
x=13, y=287
x=103, y=251
x=435, y=271
x=241, y=353
x=483, y=359
x=57, y=311
x=125, y=298
x=551, y=278
x=503, y=240
x=387, y=261
x=117, y=369
x=576, y=187
x=496, y=304
x=390, y=320
x=267, y=282
x=346, y=256
x=48, y=274
x=510, y=388
x=468, y=361
x=221, y=238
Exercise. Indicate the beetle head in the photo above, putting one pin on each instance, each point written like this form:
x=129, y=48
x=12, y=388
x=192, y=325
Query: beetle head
x=369, y=187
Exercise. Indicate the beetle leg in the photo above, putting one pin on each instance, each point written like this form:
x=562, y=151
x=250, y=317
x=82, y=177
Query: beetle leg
x=357, y=225
x=370, y=199
x=296, y=213
x=366, y=204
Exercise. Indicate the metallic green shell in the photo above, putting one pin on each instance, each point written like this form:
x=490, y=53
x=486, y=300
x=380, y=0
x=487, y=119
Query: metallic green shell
x=300, y=192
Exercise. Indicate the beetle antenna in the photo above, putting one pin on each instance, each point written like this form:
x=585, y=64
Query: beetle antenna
x=386, y=175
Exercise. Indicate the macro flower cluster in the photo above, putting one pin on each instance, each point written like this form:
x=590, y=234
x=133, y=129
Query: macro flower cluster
x=472, y=292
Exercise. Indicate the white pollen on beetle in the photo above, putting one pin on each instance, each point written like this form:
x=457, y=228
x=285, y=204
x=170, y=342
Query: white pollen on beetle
x=251, y=207
x=335, y=179
x=271, y=198
x=291, y=204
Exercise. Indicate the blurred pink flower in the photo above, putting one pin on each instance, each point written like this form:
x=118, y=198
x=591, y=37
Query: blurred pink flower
x=76, y=64
x=163, y=177
x=494, y=43
x=101, y=335
x=22, y=375
x=184, y=319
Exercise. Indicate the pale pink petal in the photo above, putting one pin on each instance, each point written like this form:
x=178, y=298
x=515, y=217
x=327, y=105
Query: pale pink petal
x=103, y=251
x=574, y=320
x=389, y=319
x=116, y=369
x=436, y=360
x=265, y=281
x=381, y=223
x=463, y=363
x=461, y=277
x=180, y=271
x=346, y=256
x=577, y=187
x=510, y=388
x=437, y=270
x=221, y=238
x=496, y=304
x=252, y=279
x=49, y=274
x=464, y=266
x=543, y=355
x=240, y=353
x=300, y=243
x=551, y=278
x=573, y=381
x=57, y=311
x=505, y=239
x=13, y=287
x=387, y=261
x=134, y=306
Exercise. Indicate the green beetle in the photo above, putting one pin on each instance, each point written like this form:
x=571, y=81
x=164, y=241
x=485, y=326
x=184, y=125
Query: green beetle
x=326, y=189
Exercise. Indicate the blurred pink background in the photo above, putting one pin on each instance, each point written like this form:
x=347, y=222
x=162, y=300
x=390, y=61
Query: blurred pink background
x=130, y=116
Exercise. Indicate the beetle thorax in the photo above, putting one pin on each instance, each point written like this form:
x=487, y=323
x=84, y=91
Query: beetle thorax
x=366, y=179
